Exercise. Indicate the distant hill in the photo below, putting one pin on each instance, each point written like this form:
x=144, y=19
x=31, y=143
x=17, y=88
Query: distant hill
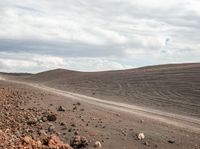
x=172, y=87
x=15, y=74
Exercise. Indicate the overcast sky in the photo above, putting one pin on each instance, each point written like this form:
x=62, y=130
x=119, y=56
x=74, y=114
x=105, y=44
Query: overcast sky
x=89, y=35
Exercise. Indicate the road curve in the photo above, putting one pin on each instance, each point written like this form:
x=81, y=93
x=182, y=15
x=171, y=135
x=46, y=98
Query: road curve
x=185, y=122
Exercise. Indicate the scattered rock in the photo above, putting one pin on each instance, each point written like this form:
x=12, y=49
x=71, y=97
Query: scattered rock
x=141, y=136
x=51, y=117
x=74, y=108
x=3, y=139
x=50, y=124
x=97, y=144
x=61, y=108
x=141, y=121
x=31, y=122
x=76, y=133
x=78, y=103
x=56, y=143
x=51, y=129
x=70, y=130
x=27, y=140
x=39, y=143
x=42, y=132
x=172, y=141
x=44, y=118
x=78, y=142
x=146, y=143
x=62, y=124
x=73, y=125
x=118, y=114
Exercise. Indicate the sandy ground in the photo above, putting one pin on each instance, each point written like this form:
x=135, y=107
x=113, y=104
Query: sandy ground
x=170, y=88
x=113, y=127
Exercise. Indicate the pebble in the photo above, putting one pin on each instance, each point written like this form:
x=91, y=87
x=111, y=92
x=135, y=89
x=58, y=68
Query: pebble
x=172, y=141
x=78, y=141
x=76, y=133
x=146, y=143
x=73, y=125
x=42, y=132
x=44, y=118
x=51, y=117
x=62, y=124
x=61, y=108
x=141, y=136
x=51, y=129
x=97, y=144
x=118, y=115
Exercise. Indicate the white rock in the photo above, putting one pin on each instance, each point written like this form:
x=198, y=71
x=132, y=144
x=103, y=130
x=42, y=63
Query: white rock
x=98, y=144
x=141, y=136
x=39, y=144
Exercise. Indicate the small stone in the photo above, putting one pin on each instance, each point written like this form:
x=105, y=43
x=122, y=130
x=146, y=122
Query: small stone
x=73, y=125
x=39, y=144
x=146, y=143
x=70, y=130
x=97, y=144
x=172, y=141
x=61, y=108
x=31, y=122
x=51, y=129
x=76, y=133
x=141, y=136
x=141, y=121
x=50, y=124
x=74, y=108
x=84, y=141
x=18, y=134
x=56, y=143
x=42, y=132
x=62, y=124
x=118, y=114
x=51, y=117
x=44, y=118
x=27, y=139
x=156, y=146
x=79, y=142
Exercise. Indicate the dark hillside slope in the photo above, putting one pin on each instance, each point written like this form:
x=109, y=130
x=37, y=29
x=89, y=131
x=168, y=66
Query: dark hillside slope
x=173, y=88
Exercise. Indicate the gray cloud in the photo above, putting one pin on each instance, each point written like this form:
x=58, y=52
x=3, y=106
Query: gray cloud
x=123, y=32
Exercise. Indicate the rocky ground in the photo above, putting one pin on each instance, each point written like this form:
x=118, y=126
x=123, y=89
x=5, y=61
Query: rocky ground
x=25, y=126
x=31, y=118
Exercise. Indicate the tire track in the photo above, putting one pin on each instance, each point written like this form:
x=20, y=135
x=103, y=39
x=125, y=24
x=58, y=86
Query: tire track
x=184, y=122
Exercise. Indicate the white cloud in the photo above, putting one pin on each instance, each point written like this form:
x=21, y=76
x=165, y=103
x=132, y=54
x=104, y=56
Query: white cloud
x=13, y=62
x=95, y=33
x=94, y=64
x=10, y=65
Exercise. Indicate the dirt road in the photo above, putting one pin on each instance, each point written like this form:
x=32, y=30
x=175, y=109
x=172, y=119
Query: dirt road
x=187, y=123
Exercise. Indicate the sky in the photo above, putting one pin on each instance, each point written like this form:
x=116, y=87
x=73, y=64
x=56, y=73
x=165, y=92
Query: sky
x=89, y=35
